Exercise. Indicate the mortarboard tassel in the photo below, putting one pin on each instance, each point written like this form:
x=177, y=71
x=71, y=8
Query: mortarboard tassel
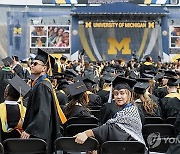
x=110, y=94
x=49, y=72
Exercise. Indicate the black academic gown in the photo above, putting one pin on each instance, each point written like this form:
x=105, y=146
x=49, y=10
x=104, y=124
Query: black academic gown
x=170, y=107
x=79, y=111
x=41, y=119
x=160, y=92
x=104, y=96
x=111, y=132
x=4, y=76
x=13, y=116
x=94, y=100
x=108, y=110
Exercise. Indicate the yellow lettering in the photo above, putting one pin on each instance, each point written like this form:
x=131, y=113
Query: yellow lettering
x=115, y=46
x=88, y=24
x=151, y=25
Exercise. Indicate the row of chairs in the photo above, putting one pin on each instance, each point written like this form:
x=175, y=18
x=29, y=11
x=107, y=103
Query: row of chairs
x=67, y=144
x=159, y=120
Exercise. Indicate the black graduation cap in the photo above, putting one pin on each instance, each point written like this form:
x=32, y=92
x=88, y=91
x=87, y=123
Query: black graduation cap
x=170, y=74
x=144, y=80
x=150, y=76
x=76, y=88
x=108, y=78
x=88, y=82
x=45, y=57
x=71, y=72
x=63, y=57
x=140, y=87
x=173, y=82
x=159, y=76
x=7, y=61
x=123, y=83
x=21, y=86
x=134, y=75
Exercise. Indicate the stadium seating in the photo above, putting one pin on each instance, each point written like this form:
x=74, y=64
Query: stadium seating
x=25, y=146
x=122, y=147
x=68, y=144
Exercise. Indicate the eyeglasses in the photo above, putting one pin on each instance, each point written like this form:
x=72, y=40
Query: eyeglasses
x=36, y=63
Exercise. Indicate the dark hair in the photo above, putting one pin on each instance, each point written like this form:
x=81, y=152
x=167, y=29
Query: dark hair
x=16, y=58
x=73, y=100
x=13, y=93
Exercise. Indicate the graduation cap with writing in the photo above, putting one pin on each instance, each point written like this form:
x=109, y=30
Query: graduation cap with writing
x=46, y=58
x=173, y=82
x=123, y=83
x=140, y=87
x=7, y=61
x=20, y=85
x=76, y=88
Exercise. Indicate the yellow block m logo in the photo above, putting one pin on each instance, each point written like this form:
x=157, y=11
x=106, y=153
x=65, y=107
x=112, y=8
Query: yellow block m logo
x=115, y=46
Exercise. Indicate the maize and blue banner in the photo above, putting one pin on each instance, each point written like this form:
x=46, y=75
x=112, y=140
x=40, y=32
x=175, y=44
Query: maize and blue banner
x=17, y=33
x=124, y=40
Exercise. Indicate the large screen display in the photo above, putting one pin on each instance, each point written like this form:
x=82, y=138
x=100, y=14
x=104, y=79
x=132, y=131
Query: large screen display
x=174, y=39
x=51, y=38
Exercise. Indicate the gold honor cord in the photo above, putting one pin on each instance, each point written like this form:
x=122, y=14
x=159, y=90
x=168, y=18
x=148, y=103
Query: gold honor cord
x=23, y=111
x=60, y=112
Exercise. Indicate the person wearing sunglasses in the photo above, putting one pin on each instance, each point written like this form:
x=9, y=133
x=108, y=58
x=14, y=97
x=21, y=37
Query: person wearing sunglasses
x=42, y=119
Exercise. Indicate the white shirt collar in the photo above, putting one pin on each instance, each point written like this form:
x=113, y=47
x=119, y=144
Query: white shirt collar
x=11, y=102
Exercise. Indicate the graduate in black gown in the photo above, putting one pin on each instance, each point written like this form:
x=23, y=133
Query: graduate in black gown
x=144, y=102
x=94, y=100
x=41, y=119
x=12, y=112
x=5, y=74
x=77, y=105
x=171, y=103
x=125, y=125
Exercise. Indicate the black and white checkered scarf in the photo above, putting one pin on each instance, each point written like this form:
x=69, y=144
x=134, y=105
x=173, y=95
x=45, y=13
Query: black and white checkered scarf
x=128, y=119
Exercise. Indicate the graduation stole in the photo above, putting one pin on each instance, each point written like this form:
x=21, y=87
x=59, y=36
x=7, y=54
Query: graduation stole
x=3, y=116
x=147, y=63
x=173, y=95
x=60, y=112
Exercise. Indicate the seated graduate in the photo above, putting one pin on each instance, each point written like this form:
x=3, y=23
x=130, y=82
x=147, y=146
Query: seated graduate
x=144, y=102
x=77, y=106
x=94, y=100
x=125, y=125
x=12, y=113
x=170, y=104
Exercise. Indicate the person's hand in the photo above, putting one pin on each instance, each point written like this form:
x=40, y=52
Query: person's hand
x=81, y=138
x=25, y=135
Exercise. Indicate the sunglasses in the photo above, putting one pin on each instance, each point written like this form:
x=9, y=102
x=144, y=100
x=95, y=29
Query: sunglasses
x=36, y=63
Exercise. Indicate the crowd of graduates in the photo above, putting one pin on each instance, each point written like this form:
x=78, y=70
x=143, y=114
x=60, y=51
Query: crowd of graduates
x=40, y=95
